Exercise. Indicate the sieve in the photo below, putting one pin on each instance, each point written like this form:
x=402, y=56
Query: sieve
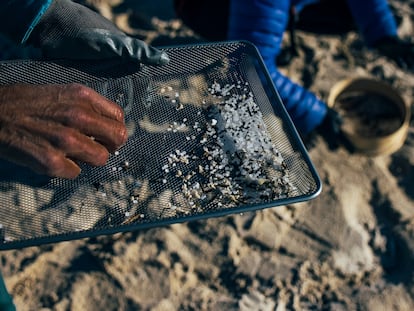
x=208, y=136
x=387, y=107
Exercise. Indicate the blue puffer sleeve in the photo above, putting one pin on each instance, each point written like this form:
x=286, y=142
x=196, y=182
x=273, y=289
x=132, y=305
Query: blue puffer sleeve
x=306, y=110
x=263, y=23
x=19, y=17
x=374, y=19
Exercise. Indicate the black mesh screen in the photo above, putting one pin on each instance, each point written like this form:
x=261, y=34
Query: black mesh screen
x=208, y=136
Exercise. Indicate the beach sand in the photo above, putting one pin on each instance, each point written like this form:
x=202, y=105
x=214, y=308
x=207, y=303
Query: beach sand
x=351, y=248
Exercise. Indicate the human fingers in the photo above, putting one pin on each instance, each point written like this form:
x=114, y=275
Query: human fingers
x=81, y=93
x=53, y=150
x=48, y=129
x=39, y=156
x=69, y=141
x=110, y=134
x=92, y=114
x=51, y=99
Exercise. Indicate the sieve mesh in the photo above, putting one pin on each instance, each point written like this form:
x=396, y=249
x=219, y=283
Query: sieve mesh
x=208, y=136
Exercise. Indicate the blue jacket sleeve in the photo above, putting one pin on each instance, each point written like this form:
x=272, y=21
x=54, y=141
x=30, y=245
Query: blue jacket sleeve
x=263, y=23
x=374, y=19
x=19, y=17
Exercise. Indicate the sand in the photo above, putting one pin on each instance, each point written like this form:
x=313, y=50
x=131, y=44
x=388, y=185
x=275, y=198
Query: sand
x=351, y=248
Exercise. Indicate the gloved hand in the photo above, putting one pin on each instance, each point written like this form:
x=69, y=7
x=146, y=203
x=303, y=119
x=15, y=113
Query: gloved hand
x=329, y=130
x=400, y=51
x=73, y=31
x=332, y=122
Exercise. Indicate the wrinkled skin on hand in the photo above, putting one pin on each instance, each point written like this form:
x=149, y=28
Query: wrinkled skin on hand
x=49, y=128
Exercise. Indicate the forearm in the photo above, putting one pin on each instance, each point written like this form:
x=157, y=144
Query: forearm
x=18, y=17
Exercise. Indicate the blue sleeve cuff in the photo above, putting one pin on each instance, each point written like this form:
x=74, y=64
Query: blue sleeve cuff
x=36, y=19
x=19, y=17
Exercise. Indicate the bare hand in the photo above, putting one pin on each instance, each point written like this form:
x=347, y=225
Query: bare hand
x=47, y=128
